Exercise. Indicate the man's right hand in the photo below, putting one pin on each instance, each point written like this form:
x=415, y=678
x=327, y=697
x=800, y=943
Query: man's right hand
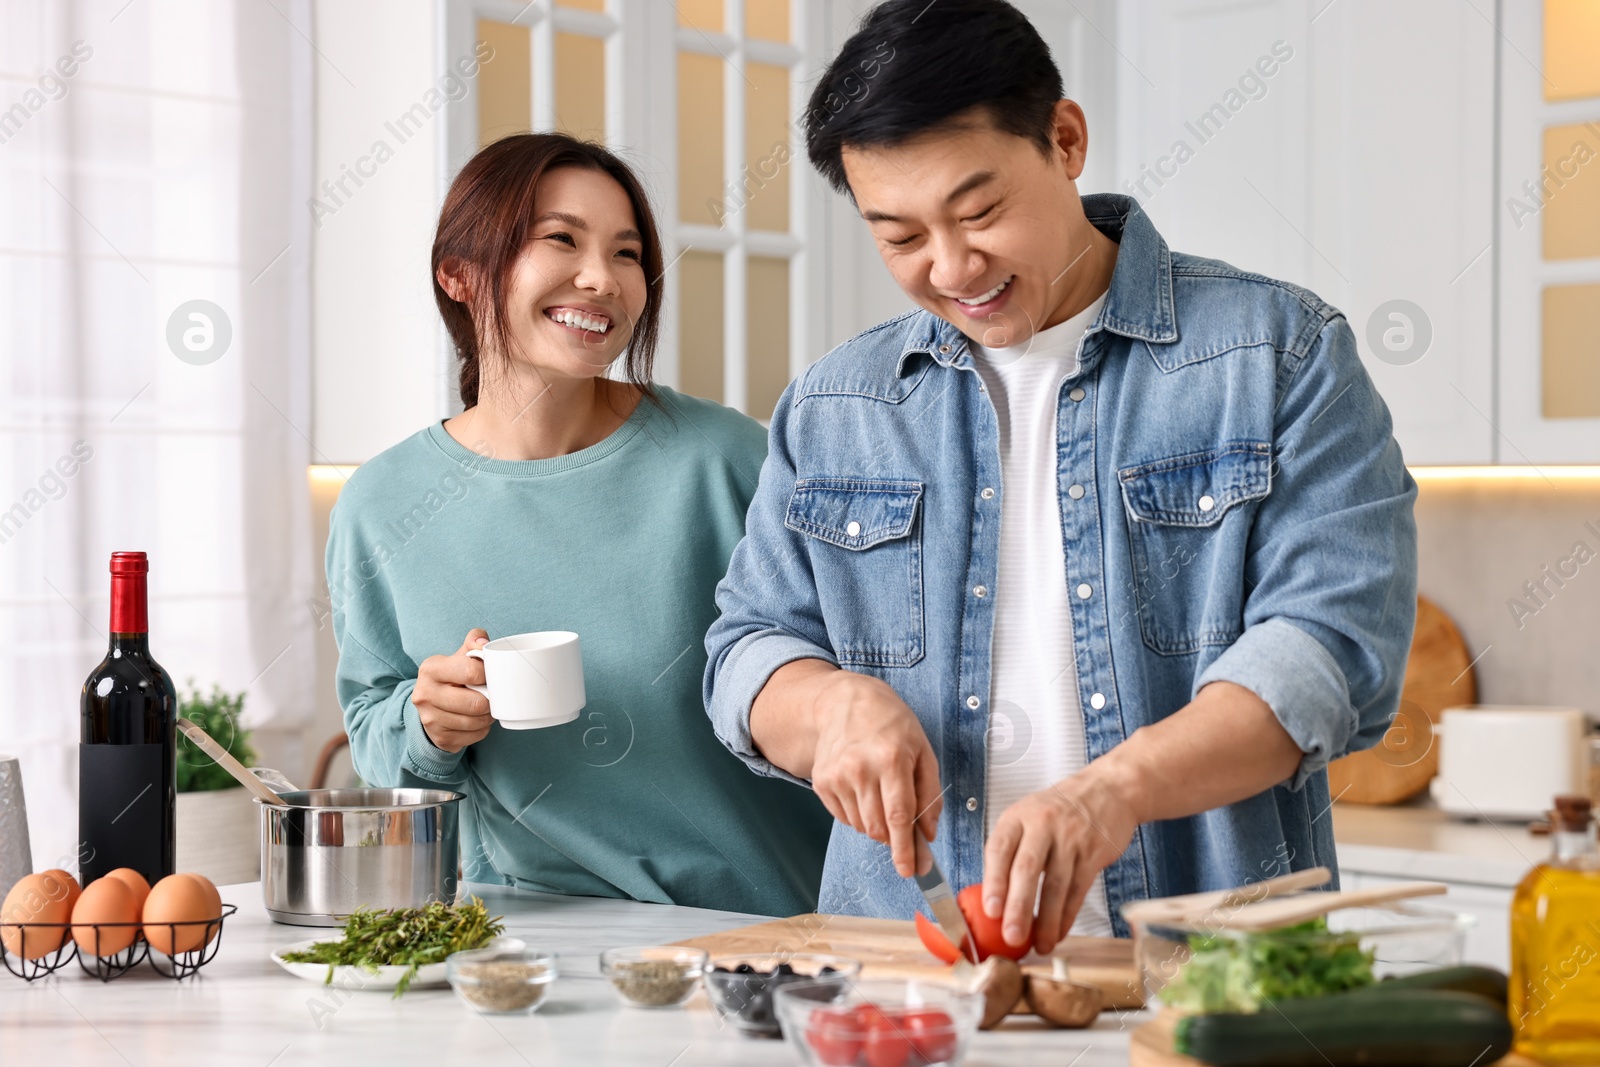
x=452, y=715
x=866, y=754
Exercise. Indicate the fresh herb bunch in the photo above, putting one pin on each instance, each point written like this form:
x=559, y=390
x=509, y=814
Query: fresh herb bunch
x=218, y=715
x=1225, y=974
x=409, y=937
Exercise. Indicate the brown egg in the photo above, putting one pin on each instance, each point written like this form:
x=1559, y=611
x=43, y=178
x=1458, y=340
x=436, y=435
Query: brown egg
x=45, y=897
x=213, y=901
x=73, y=888
x=177, y=898
x=108, y=900
x=135, y=883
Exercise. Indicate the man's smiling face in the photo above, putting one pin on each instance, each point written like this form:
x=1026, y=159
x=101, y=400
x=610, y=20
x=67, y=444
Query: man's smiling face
x=977, y=225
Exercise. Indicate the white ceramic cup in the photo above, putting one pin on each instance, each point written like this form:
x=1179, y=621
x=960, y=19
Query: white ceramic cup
x=535, y=680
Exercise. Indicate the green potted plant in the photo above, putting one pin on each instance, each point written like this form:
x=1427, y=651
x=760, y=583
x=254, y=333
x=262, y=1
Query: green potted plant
x=218, y=826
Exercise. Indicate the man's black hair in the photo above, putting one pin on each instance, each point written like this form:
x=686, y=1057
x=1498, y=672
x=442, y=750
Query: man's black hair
x=913, y=65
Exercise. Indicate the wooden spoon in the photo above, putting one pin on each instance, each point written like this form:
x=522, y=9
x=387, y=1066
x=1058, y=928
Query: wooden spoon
x=1271, y=914
x=1202, y=908
x=226, y=761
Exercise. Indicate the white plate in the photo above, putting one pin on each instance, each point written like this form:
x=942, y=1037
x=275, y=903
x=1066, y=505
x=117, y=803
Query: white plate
x=429, y=975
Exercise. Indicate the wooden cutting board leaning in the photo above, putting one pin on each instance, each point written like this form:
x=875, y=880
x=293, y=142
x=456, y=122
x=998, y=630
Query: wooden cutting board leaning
x=1438, y=676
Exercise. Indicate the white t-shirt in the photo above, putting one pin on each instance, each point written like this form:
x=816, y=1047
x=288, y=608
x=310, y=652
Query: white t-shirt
x=1036, y=735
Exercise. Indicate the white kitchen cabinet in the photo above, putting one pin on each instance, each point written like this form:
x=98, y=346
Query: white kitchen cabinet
x=1542, y=419
x=1346, y=147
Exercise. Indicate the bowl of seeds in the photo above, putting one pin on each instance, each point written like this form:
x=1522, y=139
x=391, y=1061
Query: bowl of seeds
x=506, y=978
x=657, y=977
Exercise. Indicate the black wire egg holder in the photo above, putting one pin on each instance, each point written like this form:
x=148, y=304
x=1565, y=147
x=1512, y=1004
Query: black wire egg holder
x=178, y=966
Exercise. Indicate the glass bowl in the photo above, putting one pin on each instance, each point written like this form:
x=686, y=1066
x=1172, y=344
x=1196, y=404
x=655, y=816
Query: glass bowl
x=740, y=988
x=654, y=977
x=1194, y=968
x=502, y=979
x=911, y=1022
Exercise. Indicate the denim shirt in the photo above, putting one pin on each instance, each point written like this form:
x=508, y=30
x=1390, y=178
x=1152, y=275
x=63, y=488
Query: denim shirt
x=1245, y=517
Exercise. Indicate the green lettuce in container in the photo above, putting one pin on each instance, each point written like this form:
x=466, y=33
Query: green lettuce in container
x=1241, y=972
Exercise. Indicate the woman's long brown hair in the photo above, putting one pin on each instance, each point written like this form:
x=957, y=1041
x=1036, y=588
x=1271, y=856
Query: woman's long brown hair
x=485, y=224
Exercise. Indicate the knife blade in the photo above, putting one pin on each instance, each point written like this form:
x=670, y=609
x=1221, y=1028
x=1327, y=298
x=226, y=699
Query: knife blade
x=936, y=891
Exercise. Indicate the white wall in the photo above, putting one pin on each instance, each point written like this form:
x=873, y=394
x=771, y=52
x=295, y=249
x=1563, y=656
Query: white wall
x=379, y=375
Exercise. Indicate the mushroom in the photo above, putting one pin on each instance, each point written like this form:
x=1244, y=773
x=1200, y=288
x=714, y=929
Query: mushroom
x=1000, y=981
x=1060, y=1001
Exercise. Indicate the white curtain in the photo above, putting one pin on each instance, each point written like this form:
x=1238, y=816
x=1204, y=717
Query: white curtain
x=152, y=153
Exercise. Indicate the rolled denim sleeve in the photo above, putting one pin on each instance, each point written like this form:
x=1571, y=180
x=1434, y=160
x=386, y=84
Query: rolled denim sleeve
x=770, y=612
x=1331, y=571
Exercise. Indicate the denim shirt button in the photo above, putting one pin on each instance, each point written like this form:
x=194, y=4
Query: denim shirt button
x=982, y=591
x=1084, y=591
x=987, y=494
x=1075, y=492
x=944, y=350
x=973, y=702
x=853, y=529
x=1076, y=395
x=1207, y=502
x=1097, y=701
x=972, y=803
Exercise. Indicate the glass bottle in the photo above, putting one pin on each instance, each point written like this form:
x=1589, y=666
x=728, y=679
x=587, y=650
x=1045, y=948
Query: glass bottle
x=1555, y=944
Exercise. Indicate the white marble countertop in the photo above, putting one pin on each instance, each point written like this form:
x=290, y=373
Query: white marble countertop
x=1417, y=840
x=242, y=1010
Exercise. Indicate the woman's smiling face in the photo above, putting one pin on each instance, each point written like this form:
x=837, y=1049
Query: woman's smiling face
x=578, y=287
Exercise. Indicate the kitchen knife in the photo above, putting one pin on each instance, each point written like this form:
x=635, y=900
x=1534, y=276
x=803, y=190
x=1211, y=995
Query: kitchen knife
x=936, y=891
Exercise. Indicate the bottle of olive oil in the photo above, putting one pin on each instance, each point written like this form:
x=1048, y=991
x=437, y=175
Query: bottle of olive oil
x=1555, y=944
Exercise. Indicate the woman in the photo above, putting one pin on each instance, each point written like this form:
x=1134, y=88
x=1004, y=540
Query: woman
x=562, y=499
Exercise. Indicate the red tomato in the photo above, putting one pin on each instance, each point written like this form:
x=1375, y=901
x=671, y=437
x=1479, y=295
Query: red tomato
x=886, y=1044
x=984, y=930
x=932, y=1033
x=934, y=941
x=835, y=1036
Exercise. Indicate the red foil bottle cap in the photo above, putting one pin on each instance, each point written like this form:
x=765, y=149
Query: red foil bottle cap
x=130, y=563
x=129, y=611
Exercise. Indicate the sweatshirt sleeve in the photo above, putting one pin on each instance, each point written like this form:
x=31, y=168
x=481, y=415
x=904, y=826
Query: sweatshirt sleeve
x=375, y=676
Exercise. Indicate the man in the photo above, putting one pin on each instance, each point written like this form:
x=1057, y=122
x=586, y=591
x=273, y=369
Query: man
x=1140, y=510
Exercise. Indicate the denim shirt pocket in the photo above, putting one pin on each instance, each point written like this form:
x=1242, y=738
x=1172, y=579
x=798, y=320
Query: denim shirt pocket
x=865, y=546
x=1188, y=531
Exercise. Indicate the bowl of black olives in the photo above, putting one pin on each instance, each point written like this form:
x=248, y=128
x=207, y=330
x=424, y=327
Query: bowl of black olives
x=740, y=987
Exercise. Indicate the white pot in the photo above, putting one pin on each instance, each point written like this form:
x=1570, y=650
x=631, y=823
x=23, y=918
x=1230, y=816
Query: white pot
x=219, y=835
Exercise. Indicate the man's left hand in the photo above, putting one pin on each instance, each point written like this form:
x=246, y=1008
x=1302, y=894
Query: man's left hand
x=1066, y=835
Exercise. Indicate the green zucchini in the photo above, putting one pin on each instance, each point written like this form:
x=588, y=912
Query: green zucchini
x=1406, y=1028
x=1484, y=981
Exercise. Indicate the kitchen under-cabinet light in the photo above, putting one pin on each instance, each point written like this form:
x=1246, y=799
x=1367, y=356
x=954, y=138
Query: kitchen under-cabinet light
x=330, y=473
x=322, y=474
x=1508, y=472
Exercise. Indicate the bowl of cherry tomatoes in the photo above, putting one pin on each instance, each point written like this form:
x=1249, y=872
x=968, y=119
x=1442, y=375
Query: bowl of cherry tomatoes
x=880, y=1023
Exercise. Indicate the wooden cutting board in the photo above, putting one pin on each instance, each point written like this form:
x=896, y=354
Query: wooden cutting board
x=1151, y=1046
x=890, y=948
x=1438, y=676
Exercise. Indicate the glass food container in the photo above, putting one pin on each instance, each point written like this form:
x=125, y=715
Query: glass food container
x=1195, y=969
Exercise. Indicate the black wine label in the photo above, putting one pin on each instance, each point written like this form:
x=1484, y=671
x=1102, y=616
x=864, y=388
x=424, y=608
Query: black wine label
x=123, y=811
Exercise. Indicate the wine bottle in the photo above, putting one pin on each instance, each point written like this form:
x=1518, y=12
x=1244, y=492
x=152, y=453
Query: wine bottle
x=127, y=758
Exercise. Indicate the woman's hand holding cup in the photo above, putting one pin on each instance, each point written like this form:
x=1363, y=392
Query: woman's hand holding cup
x=453, y=715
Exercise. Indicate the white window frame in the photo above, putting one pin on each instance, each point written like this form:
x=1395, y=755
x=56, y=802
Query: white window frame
x=643, y=40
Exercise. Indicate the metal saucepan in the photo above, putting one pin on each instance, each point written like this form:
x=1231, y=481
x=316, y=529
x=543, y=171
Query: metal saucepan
x=327, y=852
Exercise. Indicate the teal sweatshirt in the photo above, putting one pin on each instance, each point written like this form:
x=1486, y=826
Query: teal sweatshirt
x=623, y=542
